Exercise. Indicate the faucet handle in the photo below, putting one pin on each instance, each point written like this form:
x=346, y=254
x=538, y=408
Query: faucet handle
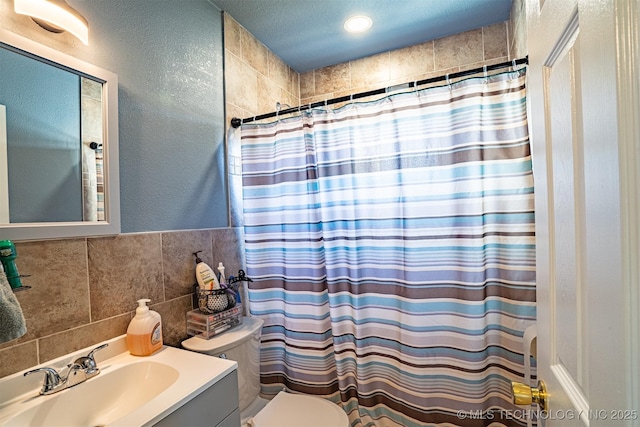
x=88, y=362
x=100, y=347
x=51, y=378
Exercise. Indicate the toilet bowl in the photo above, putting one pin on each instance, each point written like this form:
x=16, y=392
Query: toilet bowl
x=242, y=344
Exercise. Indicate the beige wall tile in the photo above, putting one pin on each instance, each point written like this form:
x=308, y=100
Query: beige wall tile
x=227, y=248
x=234, y=111
x=178, y=261
x=411, y=61
x=459, y=49
x=288, y=99
x=54, y=346
x=372, y=70
x=122, y=270
x=332, y=79
x=307, y=84
x=268, y=94
x=232, y=35
x=174, y=323
x=480, y=64
x=294, y=83
x=241, y=84
x=278, y=72
x=256, y=79
x=304, y=102
x=59, y=294
x=495, y=41
x=18, y=358
x=425, y=60
x=254, y=53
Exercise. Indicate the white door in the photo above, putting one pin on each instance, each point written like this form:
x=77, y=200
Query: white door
x=583, y=96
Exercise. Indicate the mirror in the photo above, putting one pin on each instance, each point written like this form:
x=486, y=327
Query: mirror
x=58, y=144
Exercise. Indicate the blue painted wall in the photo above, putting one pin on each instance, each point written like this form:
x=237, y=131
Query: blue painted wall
x=169, y=59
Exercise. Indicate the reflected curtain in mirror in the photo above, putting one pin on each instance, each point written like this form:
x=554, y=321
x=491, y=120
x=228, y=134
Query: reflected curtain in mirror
x=92, y=155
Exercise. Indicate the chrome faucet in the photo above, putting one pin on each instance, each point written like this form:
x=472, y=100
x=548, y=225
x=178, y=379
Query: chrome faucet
x=79, y=371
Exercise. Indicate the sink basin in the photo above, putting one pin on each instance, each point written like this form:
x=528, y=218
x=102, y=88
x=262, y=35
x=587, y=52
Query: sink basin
x=103, y=400
x=129, y=391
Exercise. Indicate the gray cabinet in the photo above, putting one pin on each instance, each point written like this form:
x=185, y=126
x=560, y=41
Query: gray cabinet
x=216, y=406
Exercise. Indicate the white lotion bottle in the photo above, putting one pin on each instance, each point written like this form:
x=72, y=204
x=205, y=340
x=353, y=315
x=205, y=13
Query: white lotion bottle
x=207, y=280
x=144, y=334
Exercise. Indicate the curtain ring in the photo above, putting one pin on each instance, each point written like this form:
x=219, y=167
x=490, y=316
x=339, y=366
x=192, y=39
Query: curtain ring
x=415, y=85
x=484, y=69
x=513, y=64
x=448, y=81
x=351, y=98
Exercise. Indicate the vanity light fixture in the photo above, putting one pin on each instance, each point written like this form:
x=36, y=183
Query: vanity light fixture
x=358, y=24
x=55, y=16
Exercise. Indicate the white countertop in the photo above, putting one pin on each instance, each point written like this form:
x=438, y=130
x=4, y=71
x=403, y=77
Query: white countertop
x=197, y=372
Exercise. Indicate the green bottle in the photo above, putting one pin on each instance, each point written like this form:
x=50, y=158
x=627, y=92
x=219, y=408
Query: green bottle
x=8, y=256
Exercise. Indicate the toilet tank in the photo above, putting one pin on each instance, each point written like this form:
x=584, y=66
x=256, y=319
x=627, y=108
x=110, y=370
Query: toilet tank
x=242, y=345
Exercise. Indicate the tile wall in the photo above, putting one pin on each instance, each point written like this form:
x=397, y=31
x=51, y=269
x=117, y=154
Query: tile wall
x=84, y=291
x=256, y=79
x=471, y=49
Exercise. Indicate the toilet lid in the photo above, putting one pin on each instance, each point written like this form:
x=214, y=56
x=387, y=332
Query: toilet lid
x=295, y=410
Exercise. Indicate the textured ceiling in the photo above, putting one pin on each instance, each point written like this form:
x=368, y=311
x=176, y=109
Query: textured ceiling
x=309, y=34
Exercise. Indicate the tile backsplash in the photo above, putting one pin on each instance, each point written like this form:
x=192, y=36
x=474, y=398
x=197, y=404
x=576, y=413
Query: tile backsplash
x=84, y=291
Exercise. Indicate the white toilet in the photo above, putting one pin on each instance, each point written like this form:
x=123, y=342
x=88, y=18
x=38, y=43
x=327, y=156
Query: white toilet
x=242, y=344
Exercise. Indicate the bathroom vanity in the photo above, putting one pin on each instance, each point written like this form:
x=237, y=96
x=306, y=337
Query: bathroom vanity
x=171, y=387
x=216, y=406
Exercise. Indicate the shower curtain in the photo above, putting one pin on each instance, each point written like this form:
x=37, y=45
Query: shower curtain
x=391, y=247
x=92, y=183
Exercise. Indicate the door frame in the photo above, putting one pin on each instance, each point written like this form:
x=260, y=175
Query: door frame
x=628, y=44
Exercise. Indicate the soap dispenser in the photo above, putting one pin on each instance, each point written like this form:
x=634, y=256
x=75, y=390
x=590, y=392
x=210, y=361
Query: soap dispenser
x=144, y=334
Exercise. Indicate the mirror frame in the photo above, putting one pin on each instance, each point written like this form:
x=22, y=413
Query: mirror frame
x=109, y=80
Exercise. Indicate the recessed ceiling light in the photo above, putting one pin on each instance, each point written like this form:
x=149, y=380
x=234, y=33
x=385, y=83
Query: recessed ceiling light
x=358, y=24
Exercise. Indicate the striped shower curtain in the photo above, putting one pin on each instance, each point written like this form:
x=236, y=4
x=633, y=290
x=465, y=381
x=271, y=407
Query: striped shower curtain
x=391, y=244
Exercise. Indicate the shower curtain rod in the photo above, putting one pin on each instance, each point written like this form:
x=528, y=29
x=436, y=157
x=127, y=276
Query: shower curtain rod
x=236, y=122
